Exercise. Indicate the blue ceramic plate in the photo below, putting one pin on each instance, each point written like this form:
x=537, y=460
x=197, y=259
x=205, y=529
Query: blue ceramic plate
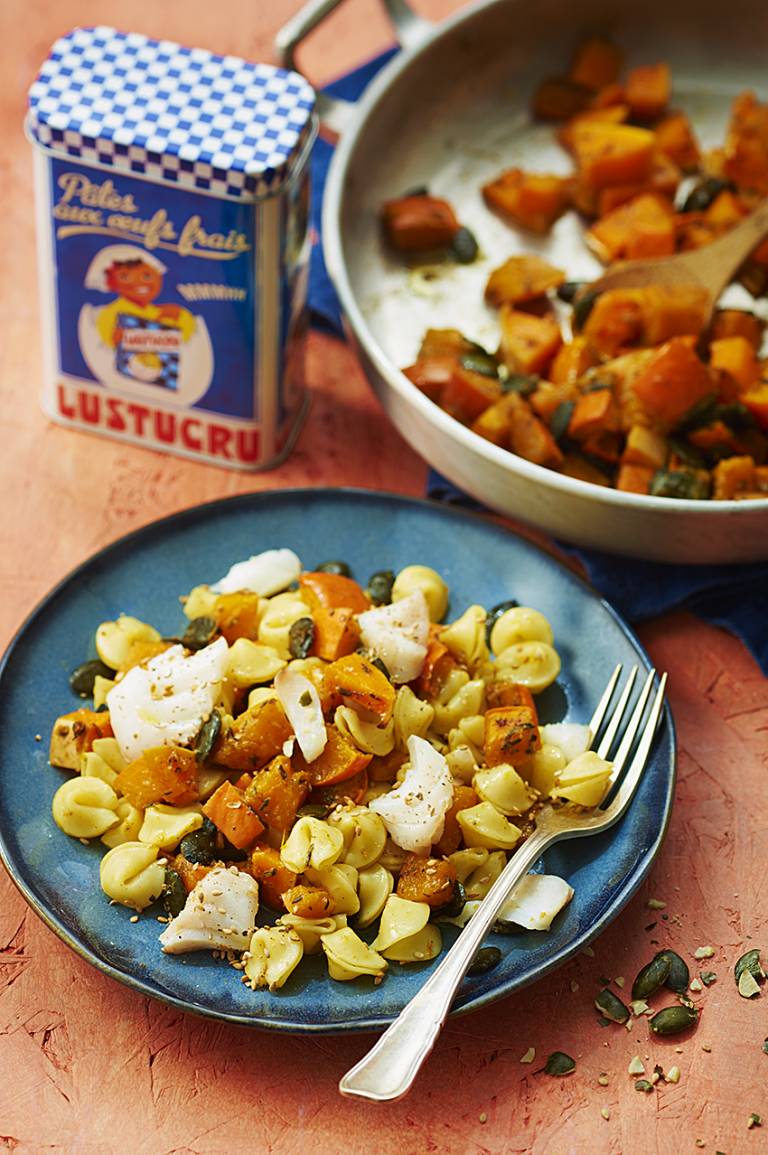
x=143, y=574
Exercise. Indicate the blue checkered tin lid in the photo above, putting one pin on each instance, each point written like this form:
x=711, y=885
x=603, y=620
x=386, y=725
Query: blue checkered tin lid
x=179, y=115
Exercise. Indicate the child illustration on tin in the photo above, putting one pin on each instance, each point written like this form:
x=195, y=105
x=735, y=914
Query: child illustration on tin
x=137, y=337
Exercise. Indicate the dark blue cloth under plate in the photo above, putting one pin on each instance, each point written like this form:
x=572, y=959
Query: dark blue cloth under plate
x=734, y=597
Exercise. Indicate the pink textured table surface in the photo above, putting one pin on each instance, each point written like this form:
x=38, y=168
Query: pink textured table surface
x=89, y=1066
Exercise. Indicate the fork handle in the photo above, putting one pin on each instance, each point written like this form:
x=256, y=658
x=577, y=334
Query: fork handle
x=392, y=1064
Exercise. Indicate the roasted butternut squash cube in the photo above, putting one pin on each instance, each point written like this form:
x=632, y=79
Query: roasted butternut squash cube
x=437, y=666
x=419, y=223
x=333, y=591
x=572, y=361
x=530, y=438
x=733, y=476
x=230, y=812
x=362, y=686
x=254, y=737
x=464, y=797
x=339, y=761
x=336, y=633
x=74, y=734
x=528, y=343
x=645, y=447
x=237, y=615
x=643, y=227
x=499, y=694
x=609, y=154
x=745, y=159
x=165, y=774
x=274, y=879
x=522, y=279
x=276, y=793
x=511, y=735
x=308, y=901
x=634, y=478
x=468, y=393
x=558, y=98
x=430, y=880
x=738, y=323
x=672, y=383
x=432, y=374
x=607, y=114
x=533, y=200
x=675, y=138
x=594, y=412
x=647, y=90
x=597, y=63
x=736, y=355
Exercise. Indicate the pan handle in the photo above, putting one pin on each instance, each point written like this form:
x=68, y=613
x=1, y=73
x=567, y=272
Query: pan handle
x=410, y=30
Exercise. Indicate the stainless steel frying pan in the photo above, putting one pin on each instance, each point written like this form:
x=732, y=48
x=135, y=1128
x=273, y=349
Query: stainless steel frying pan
x=450, y=111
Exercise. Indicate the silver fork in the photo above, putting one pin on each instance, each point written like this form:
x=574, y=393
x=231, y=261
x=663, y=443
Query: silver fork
x=390, y=1067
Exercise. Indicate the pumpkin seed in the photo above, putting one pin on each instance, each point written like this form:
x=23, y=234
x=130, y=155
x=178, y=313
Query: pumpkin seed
x=559, y=1063
x=464, y=247
x=495, y=613
x=679, y=975
x=652, y=977
x=455, y=904
x=207, y=736
x=485, y=960
x=754, y=1120
x=582, y=307
x=749, y=962
x=82, y=678
x=380, y=664
x=313, y=810
x=612, y=1007
x=748, y=985
x=338, y=567
x=561, y=419
x=200, y=845
x=702, y=196
x=199, y=633
x=419, y=190
x=174, y=893
x=482, y=363
x=501, y=926
x=301, y=635
x=708, y=977
x=765, y=1046
x=568, y=290
x=380, y=587
x=673, y=1020
x=643, y=1085
x=522, y=383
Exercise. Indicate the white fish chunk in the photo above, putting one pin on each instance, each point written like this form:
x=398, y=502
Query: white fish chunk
x=265, y=573
x=301, y=702
x=398, y=634
x=414, y=812
x=219, y=914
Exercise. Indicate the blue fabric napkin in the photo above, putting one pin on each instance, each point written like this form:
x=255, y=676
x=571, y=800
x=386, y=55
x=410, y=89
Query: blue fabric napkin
x=733, y=597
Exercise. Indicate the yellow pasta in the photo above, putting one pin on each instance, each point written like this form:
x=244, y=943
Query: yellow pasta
x=131, y=875
x=374, y=886
x=311, y=930
x=531, y=664
x=92, y=765
x=520, y=624
x=349, y=957
x=411, y=716
x=120, y=643
x=277, y=616
x=504, y=788
x=364, y=834
x=465, y=637
x=165, y=826
x=466, y=702
x=272, y=957
x=367, y=736
x=312, y=843
x=251, y=662
x=128, y=825
x=434, y=589
x=340, y=881
x=85, y=807
x=483, y=825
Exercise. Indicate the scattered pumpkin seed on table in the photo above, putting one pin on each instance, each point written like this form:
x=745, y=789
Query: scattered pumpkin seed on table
x=652, y=977
x=612, y=1007
x=673, y=1020
x=749, y=962
x=559, y=1063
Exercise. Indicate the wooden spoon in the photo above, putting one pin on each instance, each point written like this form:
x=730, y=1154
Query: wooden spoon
x=711, y=267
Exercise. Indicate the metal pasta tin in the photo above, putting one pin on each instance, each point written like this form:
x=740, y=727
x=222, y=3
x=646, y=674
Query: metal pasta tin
x=172, y=192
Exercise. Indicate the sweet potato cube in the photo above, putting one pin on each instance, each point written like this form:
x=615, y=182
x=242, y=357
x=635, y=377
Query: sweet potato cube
x=756, y=400
x=339, y=761
x=548, y=396
x=738, y=323
x=522, y=279
x=237, y=615
x=673, y=311
x=533, y=200
x=494, y=422
x=608, y=114
x=528, y=343
x=437, y=666
x=511, y=735
x=336, y=633
x=276, y=793
x=609, y=154
x=430, y=880
x=165, y=774
x=530, y=438
x=644, y=447
x=468, y=393
x=274, y=879
x=419, y=223
x=643, y=227
x=191, y=873
x=557, y=98
x=74, y=734
x=254, y=737
x=510, y=694
x=733, y=476
x=647, y=90
x=597, y=63
x=662, y=181
x=432, y=374
x=362, y=686
x=634, y=478
x=463, y=798
x=445, y=343
x=745, y=158
x=675, y=139
x=572, y=361
x=333, y=591
x=736, y=355
x=673, y=382
x=594, y=412
x=230, y=813
x=616, y=321
x=308, y=901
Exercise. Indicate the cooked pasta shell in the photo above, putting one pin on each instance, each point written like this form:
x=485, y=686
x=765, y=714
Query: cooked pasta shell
x=277, y=616
x=109, y=750
x=468, y=860
x=569, y=737
x=128, y=826
x=434, y=589
x=503, y=786
x=544, y=767
x=520, y=624
x=536, y=900
x=273, y=955
x=340, y=881
x=251, y=662
x=473, y=728
x=119, y=643
x=363, y=831
x=101, y=687
x=368, y=737
x=311, y=930
x=392, y=856
x=466, y=702
x=165, y=826
x=349, y=957
x=312, y=843
x=85, y=807
x=131, y=875
x=411, y=716
x=420, y=947
x=484, y=825
x=585, y=780
x=200, y=603
x=465, y=637
x=374, y=886
x=261, y=694
x=92, y=765
x=462, y=762
x=400, y=919
x=480, y=881
x=531, y=664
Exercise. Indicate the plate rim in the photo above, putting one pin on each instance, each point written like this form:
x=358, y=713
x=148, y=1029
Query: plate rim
x=627, y=889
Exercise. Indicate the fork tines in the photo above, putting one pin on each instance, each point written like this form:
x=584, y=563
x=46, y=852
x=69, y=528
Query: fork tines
x=632, y=732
